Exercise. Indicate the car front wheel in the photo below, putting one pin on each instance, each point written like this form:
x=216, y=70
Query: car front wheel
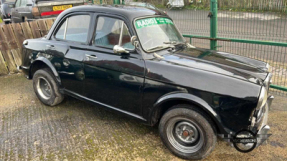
x=46, y=87
x=187, y=132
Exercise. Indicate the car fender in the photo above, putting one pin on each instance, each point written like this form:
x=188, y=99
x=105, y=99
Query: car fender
x=192, y=99
x=47, y=63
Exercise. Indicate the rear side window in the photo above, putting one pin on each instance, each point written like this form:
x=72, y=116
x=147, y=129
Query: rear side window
x=74, y=28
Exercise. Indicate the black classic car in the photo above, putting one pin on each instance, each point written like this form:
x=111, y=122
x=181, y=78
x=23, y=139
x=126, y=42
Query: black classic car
x=5, y=10
x=135, y=61
x=28, y=10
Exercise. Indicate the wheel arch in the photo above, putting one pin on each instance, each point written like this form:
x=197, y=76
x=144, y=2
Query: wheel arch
x=168, y=101
x=41, y=63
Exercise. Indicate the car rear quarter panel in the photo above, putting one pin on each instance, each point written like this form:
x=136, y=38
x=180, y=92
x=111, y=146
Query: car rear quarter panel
x=36, y=50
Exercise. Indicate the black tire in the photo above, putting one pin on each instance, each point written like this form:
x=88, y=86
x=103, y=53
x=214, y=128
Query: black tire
x=46, y=87
x=198, y=130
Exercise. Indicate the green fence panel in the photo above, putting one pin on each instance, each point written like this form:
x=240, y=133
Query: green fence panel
x=252, y=28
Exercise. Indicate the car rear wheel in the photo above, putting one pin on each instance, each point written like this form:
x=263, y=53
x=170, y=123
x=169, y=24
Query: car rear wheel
x=187, y=132
x=46, y=87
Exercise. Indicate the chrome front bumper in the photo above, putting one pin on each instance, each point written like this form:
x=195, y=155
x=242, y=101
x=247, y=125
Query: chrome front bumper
x=264, y=128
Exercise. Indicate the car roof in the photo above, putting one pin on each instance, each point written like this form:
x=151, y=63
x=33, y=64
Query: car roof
x=130, y=12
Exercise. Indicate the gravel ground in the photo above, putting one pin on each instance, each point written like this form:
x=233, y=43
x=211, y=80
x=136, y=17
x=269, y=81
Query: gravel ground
x=75, y=130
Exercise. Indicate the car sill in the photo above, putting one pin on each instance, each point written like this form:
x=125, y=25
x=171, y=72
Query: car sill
x=73, y=94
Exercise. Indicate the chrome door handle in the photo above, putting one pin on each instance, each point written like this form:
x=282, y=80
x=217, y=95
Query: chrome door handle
x=91, y=57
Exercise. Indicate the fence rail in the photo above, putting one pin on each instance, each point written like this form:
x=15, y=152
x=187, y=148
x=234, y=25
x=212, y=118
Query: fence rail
x=259, y=33
x=250, y=28
x=11, y=39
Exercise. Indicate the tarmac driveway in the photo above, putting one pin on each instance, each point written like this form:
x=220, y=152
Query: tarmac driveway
x=75, y=130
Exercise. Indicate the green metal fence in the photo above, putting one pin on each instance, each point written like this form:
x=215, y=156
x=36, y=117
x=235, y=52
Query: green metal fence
x=251, y=28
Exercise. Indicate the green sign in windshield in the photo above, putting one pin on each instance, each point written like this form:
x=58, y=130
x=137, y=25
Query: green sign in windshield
x=152, y=21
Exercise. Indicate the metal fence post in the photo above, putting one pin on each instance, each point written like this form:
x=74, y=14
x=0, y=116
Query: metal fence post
x=213, y=24
x=116, y=1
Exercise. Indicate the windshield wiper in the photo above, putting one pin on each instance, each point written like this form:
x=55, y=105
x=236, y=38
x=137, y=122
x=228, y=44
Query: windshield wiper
x=174, y=43
x=157, y=47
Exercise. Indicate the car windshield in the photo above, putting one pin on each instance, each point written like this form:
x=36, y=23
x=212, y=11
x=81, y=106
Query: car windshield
x=157, y=33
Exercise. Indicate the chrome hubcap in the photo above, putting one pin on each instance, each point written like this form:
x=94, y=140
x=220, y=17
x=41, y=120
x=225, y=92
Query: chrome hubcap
x=186, y=132
x=44, y=88
x=184, y=135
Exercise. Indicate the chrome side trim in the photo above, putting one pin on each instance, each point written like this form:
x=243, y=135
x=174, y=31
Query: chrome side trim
x=102, y=104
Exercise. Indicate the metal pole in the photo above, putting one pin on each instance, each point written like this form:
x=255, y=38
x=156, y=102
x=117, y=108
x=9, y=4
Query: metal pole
x=116, y=1
x=213, y=24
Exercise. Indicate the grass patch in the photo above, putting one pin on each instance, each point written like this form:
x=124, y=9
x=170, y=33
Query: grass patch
x=1, y=20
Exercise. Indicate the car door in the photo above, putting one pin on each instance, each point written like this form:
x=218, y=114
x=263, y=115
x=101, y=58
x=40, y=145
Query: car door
x=15, y=12
x=27, y=10
x=67, y=45
x=112, y=79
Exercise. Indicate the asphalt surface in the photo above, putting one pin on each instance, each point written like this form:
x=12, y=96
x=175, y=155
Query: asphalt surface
x=240, y=25
x=247, y=25
x=75, y=130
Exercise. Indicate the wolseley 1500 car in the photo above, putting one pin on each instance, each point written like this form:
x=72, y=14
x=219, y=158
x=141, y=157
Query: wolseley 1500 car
x=135, y=61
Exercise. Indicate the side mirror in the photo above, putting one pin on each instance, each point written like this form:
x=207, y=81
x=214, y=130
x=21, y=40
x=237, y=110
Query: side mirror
x=134, y=41
x=119, y=50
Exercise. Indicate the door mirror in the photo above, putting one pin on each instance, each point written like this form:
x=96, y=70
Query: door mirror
x=134, y=41
x=120, y=50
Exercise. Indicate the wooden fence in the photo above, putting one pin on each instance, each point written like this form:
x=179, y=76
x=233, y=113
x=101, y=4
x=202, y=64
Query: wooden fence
x=11, y=40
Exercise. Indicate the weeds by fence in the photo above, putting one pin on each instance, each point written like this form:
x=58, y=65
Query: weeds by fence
x=11, y=39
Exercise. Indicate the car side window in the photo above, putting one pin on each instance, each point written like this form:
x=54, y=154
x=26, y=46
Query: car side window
x=74, y=28
x=23, y=3
x=18, y=3
x=109, y=31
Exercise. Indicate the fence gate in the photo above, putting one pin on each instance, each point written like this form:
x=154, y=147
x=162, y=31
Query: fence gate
x=251, y=28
